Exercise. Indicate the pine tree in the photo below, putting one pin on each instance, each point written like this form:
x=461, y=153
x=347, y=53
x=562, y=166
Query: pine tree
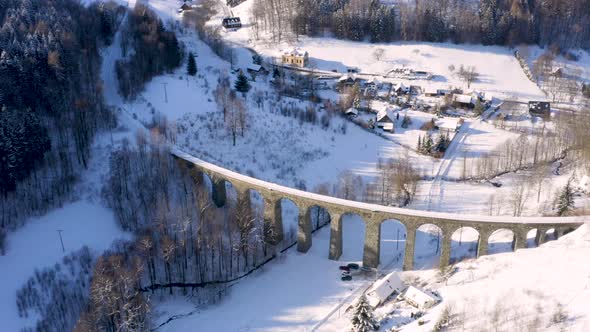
x=362, y=318
x=565, y=201
x=191, y=67
x=441, y=143
x=242, y=84
x=428, y=143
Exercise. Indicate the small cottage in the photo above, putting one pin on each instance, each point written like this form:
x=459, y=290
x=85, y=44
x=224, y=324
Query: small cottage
x=419, y=298
x=463, y=101
x=384, y=288
x=384, y=117
x=257, y=69
x=448, y=125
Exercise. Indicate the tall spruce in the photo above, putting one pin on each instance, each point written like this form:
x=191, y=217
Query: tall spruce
x=362, y=317
x=242, y=84
x=191, y=66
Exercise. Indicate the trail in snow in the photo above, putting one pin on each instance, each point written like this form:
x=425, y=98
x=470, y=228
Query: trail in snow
x=437, y=189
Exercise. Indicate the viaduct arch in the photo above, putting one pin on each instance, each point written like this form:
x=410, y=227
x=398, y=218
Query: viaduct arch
x=372, y=214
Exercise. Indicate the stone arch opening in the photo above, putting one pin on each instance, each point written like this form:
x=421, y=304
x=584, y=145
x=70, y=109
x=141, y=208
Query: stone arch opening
x=464, y=244
x=428, y=246
x=319, y=216
x=231, y=194
x=353, y=237
x=392, y=244
x=550, y=235
x=501, y=240
x=532, y=239
x=290, y=218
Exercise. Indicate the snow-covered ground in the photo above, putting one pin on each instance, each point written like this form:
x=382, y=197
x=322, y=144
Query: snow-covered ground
x=37, y=246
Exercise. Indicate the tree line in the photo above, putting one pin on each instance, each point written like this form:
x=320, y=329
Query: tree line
x=490, y=22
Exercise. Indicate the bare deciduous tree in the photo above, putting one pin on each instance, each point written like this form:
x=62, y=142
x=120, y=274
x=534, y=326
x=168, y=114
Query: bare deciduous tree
x=468, y=74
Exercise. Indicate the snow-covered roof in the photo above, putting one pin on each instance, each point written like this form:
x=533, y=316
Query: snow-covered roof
x=295, y=52
x=419, y=298
x=463, y=99
x=254, y=67
x=447, y=123
x=381, y=115
x=383, y=288
x=352, y=110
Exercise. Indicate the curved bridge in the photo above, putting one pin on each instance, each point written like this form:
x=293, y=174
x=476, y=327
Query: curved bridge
x=372, y=214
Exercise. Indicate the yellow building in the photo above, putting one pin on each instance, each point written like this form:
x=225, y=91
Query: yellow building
x=295, y=57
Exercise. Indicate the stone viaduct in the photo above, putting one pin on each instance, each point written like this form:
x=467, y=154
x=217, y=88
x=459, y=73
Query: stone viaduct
x=372, y=214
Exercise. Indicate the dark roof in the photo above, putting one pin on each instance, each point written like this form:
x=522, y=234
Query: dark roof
x=232, y=20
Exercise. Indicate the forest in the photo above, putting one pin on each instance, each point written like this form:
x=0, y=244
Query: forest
x=149, y=48
x=50, y=100
x=556, y=23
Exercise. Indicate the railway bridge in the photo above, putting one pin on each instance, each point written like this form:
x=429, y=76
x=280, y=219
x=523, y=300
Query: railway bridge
x=373, y=215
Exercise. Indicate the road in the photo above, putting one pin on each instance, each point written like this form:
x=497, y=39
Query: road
x=455, y=150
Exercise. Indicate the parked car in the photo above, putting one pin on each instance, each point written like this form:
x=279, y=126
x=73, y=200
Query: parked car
x=353, y=266
x=346, y=278
x=344, y=268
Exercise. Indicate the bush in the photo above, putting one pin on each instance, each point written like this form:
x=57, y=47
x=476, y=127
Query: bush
x=406, y=122
x=430, y=125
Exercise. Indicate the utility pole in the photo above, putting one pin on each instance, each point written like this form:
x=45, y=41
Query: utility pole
x=165, y=92
x=61, y=240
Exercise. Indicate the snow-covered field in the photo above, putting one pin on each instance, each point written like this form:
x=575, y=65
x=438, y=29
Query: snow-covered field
x=37, y=246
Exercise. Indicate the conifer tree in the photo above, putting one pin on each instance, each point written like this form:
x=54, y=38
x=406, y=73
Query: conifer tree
x=242, y=84
x=191, y=67
x=362, y=317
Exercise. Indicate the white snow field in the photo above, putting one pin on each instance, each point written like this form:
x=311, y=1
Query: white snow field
x=37, y=245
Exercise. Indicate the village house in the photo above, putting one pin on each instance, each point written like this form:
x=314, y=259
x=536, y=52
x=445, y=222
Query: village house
x=383, y=288
x=463, y=101
x=257, y=69
x=419, y=298
x=185, y=7
x=295, y=57
x=347, y=81
x=384, y=117
x=540, y=108
x=401, y=89
x=448, y=125
x=231, y=23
